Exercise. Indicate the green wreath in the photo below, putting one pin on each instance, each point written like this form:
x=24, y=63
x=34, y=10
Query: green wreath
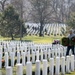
x=65, y=41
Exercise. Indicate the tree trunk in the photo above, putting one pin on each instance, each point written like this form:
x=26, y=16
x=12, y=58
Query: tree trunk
x=21, y=33
x=2, y=7
x=12, y=37
x=41, y=30
x=21, y=28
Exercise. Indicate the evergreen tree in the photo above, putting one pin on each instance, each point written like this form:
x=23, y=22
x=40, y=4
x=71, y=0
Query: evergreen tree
x=11, y=24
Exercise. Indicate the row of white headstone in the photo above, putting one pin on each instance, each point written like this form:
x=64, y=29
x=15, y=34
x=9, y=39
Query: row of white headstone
x=56, y=52
x=57, y=49
x=43, y=55
x=46, y=51
x=69, y=67
x=51, y=28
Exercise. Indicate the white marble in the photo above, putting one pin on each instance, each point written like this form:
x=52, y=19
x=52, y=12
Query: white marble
x=19, y=70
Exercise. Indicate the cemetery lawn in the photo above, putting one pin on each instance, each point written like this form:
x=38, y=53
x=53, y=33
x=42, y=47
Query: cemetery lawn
x=36, y=39
x=72, y=73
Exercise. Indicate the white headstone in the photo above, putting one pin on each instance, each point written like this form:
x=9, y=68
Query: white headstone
x=28, y=56
x=63, y=65
x=19, y=70
x=72, y=62
x=51, y=66
x=68, y=64
x=56, y=52
x=6, y=59
x=23, y=58
x=52, y=53
x=37, y=55
x=41, y=55
x=44, y=67
x=45, y=54
x=18, y=57
x=57, y=65
x=33, y=57
x=1, y=51
x=28, y=68
x=64, y=49
x=61, y=51
x=12, y=59
x=37, y=70
x=49, y=54
x=8, y=70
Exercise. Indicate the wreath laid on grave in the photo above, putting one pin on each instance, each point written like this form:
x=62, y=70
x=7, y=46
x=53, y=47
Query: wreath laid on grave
x=65, y=41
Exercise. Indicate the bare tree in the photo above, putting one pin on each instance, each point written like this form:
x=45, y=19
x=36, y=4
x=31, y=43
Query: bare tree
x=3, y=3
x=73, y=7
x=41, y=12
x=62, y=9
x=68, y=8
x=55, y=5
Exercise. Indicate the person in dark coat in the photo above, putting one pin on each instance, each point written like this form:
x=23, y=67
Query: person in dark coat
x=71, y=34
